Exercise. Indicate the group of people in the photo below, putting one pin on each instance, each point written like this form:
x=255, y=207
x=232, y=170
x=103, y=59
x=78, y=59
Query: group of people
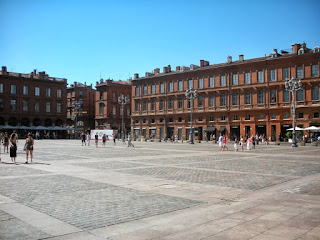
x=86, y=137
x=12, y=141
x=249, y=142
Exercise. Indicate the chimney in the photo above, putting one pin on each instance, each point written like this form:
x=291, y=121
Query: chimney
x=97, y=83
x=101, y=80
x=275, y=51
x=201, y=63
x=295, y=47
x=165, y=69
x=229, y=59
x=304, y=45
x=206, y=63
x=136, y=75
x=85, y=84
x=241, y=58
x=4, y=69
x=156, y=71
x=35, y=72
x=177, y=68
x=169, y=68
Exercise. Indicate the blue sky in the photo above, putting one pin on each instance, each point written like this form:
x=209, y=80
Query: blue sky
x=83, y=40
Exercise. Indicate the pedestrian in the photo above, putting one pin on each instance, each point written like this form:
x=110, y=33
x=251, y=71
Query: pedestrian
x=236, y=144
x=220, y=141
x=88, y=138
x=13, y=147
x=29, y=147
x=129, y=140
x=114, y=138
x=241, y=143
x=6, y=142
x=176, y=138
x=257, y=139
x=224, y=143
x=249, y=143
x=84, y=137
x=253, y=140
x=104, y=139
x=96, y=139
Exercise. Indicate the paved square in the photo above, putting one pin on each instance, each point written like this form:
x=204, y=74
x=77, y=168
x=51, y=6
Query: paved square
x=160, y=191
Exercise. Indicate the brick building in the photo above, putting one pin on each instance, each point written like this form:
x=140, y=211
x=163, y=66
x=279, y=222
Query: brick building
x=108, y=110
x=33, y=99
x=236, y=98
x=85, y=95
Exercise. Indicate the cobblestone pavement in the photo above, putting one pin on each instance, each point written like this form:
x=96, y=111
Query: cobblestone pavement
x=160, y=191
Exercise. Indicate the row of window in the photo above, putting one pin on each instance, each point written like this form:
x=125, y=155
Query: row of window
x=235, y=99
x=114, y=110
x=261, y=117
x=25, y=106
x=273, y=77
x=25, y=90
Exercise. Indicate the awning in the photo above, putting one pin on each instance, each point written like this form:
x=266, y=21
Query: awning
x=222, y=129
x=210, y=129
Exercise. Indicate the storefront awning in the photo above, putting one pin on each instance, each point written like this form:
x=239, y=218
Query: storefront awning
x=210, y=129
x=222, y=129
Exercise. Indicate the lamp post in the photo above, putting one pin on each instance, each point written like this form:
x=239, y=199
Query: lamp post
x=123, y=100
x=76, y=106
x=191, y=94
x=293, y=85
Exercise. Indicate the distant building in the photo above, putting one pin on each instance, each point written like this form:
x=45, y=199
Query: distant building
x=236, y=98
x=85, y=95
x=108, y=110
x=33, y=99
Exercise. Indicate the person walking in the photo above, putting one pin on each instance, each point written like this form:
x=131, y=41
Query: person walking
x=84, y=138
x=88, y=138
x=236, y=144
x=6, y=142
x=249, y=143
x=129, y=140
x=104, y=139
x=220, y=141
x=13, y=147
x=241, y=143
x=224, y=143
x=29, y=147
x=96, y=137
x=114, y=138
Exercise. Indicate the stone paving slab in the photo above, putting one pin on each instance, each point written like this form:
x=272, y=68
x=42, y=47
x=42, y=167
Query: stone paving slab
x=234, y=180
x=89, y=205
x=160, y=191
x=262, y=166
x=18, y=170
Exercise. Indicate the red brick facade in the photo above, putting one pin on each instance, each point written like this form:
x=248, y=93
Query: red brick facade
x=33, y=99
x=237, y=108
x=85, y=95
x=108, y=115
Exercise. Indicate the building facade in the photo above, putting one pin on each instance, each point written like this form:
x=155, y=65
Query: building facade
x=85, y=95
x=236, y=98
x=108, y=110
x=33, y=99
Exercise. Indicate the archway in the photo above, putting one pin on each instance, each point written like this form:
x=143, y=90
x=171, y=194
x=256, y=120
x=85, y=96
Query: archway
x=48, y=122
x=12, y=121
x=25, y=122
x=36, y=122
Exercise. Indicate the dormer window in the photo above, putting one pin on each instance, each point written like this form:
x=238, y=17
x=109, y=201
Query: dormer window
x=316, y=50
x=301, y=51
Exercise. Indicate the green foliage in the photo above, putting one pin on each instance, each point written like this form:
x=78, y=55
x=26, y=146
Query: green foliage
x=289, y=135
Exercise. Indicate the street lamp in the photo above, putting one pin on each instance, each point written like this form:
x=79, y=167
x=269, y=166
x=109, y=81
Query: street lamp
x=76, y=106
x=191, y=94
x=293, y=86
x=123, y=100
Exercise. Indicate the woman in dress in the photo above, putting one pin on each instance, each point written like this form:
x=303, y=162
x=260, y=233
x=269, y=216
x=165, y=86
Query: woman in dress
x=13, y=147
x=249, y=143
x=29, y=147
x=241, y=143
